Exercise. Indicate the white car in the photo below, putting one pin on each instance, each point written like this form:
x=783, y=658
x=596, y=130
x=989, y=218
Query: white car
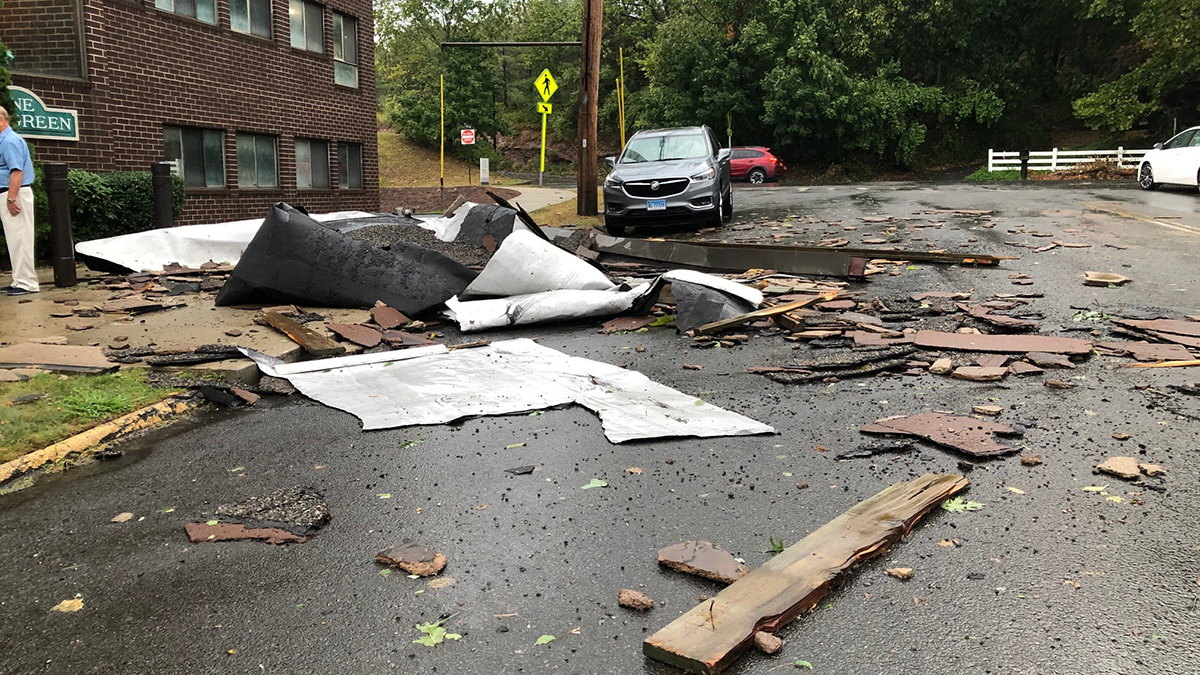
x=1176, y=162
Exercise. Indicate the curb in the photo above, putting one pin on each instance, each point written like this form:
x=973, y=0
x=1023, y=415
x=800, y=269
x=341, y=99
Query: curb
x=165, y=411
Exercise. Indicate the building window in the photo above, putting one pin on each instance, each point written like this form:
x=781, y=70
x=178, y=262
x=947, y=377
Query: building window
x=312, y=163
x=350, y=165
x=205, y=10
x=252, y=17
x=345, y=50
x=198, y=154
x=257, y=167
x=308, y=25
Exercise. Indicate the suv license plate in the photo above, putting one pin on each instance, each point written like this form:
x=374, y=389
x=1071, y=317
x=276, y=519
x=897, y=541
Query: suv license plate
x=656, y=205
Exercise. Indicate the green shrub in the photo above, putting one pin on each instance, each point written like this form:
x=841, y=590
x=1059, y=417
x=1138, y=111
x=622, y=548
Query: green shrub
x=119, y=202
x=102, y=205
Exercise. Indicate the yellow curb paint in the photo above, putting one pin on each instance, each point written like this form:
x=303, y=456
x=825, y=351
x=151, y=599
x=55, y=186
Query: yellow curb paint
x=109, y=431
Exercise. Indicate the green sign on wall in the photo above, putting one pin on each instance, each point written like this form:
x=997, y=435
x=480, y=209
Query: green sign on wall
x=36, y=120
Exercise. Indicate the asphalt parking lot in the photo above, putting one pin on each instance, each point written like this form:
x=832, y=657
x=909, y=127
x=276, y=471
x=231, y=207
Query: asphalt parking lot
x=1049, y=578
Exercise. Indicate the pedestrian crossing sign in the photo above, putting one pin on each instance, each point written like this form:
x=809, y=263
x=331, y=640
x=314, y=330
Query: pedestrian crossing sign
x=545, y=85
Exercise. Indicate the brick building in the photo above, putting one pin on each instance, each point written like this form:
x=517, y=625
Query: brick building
x=257, y=100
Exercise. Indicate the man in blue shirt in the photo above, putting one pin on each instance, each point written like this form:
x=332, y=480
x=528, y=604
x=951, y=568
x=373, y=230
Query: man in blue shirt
x=16, y=175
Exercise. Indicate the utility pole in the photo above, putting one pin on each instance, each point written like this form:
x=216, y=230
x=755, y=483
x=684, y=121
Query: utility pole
x=589, y=90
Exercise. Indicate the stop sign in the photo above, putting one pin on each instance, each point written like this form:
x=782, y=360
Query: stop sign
x=468, y=137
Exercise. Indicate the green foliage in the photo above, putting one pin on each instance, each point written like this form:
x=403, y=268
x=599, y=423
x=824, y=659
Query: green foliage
x=434, y=633
x=982, y=175
x=109, y=204
x=545, y=640
x=867, y=85
x=91, y=404
x=70, y=406
x=959, y=505
x=1166, y=77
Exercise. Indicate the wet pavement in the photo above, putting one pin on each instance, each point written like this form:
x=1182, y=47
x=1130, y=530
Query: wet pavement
x=1052, y=579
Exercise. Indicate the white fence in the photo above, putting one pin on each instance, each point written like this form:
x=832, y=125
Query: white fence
x=1055, y=160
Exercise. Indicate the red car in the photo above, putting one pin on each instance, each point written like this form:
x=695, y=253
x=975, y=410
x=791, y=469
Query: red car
x=755, y=164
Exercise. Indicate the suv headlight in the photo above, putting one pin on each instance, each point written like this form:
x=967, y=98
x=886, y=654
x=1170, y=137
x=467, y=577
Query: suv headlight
x=707, y=174
x=612, y=181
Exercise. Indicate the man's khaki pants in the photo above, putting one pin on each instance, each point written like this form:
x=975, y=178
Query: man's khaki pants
x=18, y=232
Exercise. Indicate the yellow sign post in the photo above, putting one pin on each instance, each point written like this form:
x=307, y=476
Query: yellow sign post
x=545, y=86
x=621, y=97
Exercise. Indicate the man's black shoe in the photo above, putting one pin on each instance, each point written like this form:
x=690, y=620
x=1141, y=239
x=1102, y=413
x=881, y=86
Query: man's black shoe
x=15, y=290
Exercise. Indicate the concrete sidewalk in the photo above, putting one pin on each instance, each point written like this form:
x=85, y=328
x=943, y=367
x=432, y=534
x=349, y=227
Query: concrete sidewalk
x=197, y=323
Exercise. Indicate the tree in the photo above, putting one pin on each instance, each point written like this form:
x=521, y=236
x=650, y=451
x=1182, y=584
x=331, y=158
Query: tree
x=1165, y=81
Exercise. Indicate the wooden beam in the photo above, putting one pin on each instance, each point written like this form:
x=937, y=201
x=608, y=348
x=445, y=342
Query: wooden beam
x=766, y=312
x=1164, y=364
x=314, y=343
x=711, y=635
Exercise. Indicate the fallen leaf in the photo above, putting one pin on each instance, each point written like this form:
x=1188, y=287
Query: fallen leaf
x=1095, y=488
x=122, y=517
x=949, y=543
x=385, y=495
x=634, y=469
x=481, y=507
x=67, y=606
x=514, y=445
x=802, y=664
x=237, y=469
x=441, y=582
x=411, y=442
x=434, y=633
x=596, y=482
x=211, y=522
x=545, y=639
x=959, y=505
x=1013, y=489
x=414, y=576
x=384, y=572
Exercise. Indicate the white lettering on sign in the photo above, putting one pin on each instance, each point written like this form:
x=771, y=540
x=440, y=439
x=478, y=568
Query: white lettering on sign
x=47, y=123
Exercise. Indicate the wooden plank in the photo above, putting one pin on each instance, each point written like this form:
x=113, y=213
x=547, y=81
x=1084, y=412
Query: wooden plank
x=764, y=313
x=67, y=358
x=1188, y=328
x=1003, y=344
x=1164, y=364
x=710, y=636
x=314, y=343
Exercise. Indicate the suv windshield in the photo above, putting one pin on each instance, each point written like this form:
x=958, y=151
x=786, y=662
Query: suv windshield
x=664, y=148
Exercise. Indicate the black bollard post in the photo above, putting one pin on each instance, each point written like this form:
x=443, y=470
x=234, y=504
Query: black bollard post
x=161, y=174
x=62, y=242
x=1024, y=165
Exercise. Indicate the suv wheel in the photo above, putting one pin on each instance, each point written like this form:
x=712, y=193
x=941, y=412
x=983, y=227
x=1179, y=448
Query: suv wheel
x=715, y=219
x=614, y=226
x=757, y=176
x=1146, y=178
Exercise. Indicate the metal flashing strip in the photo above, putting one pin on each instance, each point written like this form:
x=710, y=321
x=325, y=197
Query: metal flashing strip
x=404, y=388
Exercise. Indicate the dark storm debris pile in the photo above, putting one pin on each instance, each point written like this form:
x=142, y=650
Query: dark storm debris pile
x=285, y=516
x=292, y=258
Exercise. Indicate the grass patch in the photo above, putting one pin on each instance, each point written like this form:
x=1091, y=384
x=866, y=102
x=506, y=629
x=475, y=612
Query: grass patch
x=563, y=215
x=982, y=175
x=71, y=405
x=404, y=164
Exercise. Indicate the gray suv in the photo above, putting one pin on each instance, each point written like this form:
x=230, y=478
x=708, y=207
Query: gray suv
x=665, y=176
